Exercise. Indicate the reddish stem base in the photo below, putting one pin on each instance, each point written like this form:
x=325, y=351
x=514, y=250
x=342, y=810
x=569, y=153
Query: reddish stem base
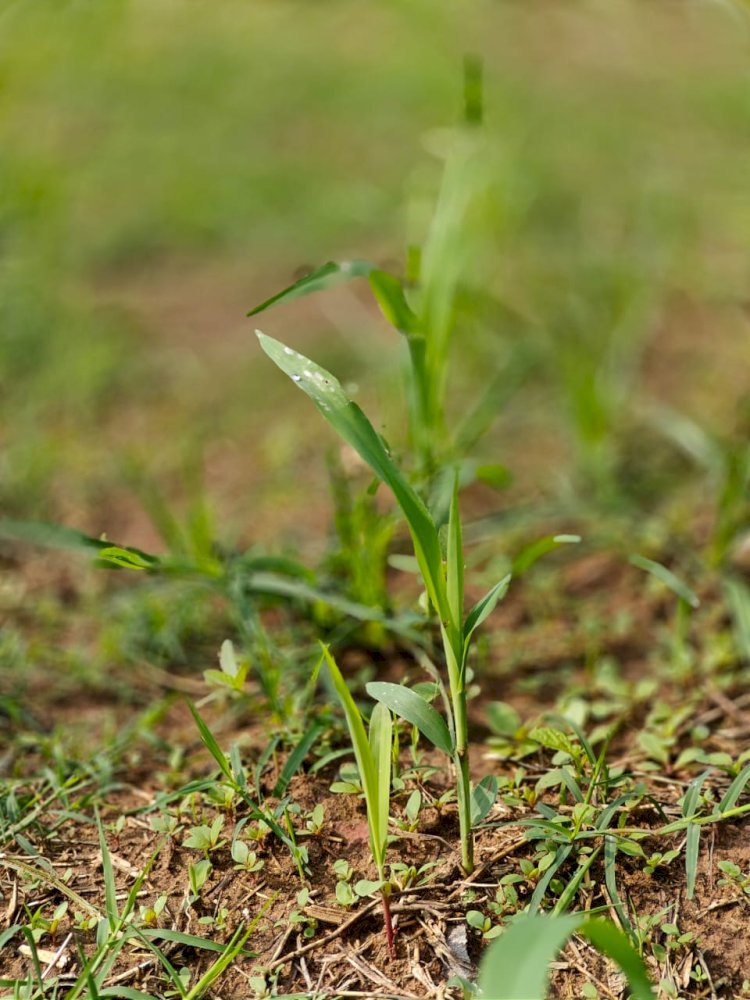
x=388, y=925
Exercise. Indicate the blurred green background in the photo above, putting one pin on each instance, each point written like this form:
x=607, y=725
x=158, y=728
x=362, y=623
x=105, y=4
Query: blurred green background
x=166, y=165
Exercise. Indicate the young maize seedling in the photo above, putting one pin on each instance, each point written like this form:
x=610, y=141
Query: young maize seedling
x=443, y=578
x=373, y=758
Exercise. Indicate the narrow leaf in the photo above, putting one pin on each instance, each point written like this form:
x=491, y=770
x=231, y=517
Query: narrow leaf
x=516, y=966
x=352, y=425
x=455, y=561
x=735, y=790
x=295, y=759
x=484, y=608
x=326, y=276
x=675, y=584
x=410, y=706
x=210, y=743
x=381, y=735
x=389, y=294
x=690, y=805
x=614, y=944
x=363, y=754
x=532, y=553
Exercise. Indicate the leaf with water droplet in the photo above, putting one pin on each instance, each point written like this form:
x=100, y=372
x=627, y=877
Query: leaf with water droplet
x=352, y=425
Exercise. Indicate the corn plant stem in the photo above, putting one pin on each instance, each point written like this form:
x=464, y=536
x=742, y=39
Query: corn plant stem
x=387, y=921
x=463, y=792
x=461, y=754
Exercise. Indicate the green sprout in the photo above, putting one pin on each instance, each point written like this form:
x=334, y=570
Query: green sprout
x=373, y=756
x=443, y=577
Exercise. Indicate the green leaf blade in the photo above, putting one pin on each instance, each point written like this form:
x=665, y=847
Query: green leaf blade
x=325, y=276
x=348, y=420
x=381, y=734
x=484, y=608
x=412, y=707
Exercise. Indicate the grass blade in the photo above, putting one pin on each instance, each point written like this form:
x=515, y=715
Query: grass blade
x=484, y=608
x=613, y=943
x=610, y=880
x=667, y=577
x=353, y=426
x=389, y=294
x=230, y=952
x=361, y=746
x=690, y=805
x=211, y=745
x=409, y=705
x=455, y=560
x=561, y=856
x=110, y=888
x=738, y=599
x=295, y=759
x=325, y=276
x=735, y=790
x=381, y=735
x=516, y=966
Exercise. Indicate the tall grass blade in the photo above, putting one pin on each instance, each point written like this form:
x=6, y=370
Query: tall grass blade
x=110, y=887
x=734, y=791
x=296, y=757
x=363, y=755
x=690, y=805
x=610, y=880
x=615, y=945
x=381, y=736
x=454, y=561
x=738, y=598
x=211, y=745
x=352, y=425
x=409, y=705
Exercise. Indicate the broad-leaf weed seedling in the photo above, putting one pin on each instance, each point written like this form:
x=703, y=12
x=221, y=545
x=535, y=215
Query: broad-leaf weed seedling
x=443, y=578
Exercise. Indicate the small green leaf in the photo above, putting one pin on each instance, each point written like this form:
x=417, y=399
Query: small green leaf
x=408, y=705
x=367, y=887
x=325, y=276
x=228, y=659
x=126, y=558
x=483, y=798
x=484, y=608
x=554, y=739
x=503, y=719
x=389, y=294
x=532, y=553
x=348, y=420
x=476, y=919
x=675, y=584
